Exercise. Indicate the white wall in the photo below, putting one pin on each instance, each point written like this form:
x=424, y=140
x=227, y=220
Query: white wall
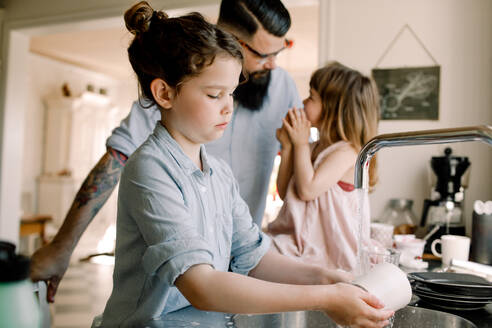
x=459, y=36
x=12, y=137
x=302, y=59
x=46, y=76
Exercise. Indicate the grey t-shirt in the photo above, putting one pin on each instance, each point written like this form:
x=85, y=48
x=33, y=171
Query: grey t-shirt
x=248, y=145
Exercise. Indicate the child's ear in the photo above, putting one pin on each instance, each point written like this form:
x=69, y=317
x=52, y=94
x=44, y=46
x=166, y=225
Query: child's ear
x=162, y=92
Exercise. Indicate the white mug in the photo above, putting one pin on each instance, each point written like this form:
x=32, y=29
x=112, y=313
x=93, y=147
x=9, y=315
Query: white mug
x=389, y=284
x=452, y=247
x=411, y=248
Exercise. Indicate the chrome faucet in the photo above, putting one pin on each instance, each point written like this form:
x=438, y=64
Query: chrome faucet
x=426, y=137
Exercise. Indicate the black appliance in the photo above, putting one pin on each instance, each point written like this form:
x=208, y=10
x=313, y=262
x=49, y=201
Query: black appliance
x=442, y=214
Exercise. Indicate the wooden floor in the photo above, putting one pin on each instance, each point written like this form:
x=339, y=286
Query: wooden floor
x=82, y=295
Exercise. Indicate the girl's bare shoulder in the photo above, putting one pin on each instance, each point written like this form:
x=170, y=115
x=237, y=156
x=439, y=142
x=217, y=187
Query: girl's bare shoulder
x=344, y=155
x=345, y=149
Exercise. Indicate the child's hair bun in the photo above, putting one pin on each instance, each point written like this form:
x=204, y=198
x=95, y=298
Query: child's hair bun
x=139, y=17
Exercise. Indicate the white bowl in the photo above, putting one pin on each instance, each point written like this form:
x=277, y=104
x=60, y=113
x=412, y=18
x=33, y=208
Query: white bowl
x=389, y=284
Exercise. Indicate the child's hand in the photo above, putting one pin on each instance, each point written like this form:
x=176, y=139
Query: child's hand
x=334, y=276
x=297, y=126
x=351, y=305
x=283, y=137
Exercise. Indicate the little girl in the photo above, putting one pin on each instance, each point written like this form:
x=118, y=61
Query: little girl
x=184, y=235
x=318, y=222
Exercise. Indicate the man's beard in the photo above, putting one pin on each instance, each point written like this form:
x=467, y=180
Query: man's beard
x=251, y=94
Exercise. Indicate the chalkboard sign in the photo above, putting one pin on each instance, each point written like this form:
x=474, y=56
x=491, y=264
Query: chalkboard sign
x=408, y=93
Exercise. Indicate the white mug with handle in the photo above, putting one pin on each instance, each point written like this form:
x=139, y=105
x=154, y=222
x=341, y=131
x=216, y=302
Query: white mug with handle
x=452, y=247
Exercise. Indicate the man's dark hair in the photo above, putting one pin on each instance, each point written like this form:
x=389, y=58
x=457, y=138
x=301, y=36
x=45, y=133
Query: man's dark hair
x=246, y=16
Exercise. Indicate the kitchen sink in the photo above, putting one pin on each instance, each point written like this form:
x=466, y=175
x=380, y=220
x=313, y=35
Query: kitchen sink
x=408, y=317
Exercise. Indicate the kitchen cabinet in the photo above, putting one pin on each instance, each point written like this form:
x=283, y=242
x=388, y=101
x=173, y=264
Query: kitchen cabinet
x=75, y=135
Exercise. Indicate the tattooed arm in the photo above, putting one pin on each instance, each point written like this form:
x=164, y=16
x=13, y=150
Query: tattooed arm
x=50, y=262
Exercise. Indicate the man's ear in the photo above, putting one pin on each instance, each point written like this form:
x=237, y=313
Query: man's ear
x=163, y=93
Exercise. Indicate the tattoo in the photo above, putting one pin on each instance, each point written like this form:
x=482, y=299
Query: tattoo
x=120, y=157
x=101, y=180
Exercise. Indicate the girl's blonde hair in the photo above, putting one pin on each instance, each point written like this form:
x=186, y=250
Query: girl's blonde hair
x=350, y=107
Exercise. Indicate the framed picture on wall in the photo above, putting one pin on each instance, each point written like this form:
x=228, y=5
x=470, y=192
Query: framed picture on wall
x=408, y=93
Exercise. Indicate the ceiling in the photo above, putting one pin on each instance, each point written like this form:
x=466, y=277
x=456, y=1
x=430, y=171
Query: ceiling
x=103, y=49
x=101, y=46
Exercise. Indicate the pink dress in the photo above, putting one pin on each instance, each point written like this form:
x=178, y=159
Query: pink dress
x=324, y=230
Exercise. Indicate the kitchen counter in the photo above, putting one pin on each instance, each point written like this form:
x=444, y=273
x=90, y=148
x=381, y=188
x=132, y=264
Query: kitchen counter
x=481, y=318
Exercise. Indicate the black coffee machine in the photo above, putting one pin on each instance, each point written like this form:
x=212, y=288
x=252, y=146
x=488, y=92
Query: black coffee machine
x=442, y=214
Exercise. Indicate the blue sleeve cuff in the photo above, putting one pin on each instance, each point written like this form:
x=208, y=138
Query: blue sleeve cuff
x=121, y=144
x=247, y=257
x=171, y=259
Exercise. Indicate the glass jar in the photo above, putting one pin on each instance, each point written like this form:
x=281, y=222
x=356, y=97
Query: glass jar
x=399, y=213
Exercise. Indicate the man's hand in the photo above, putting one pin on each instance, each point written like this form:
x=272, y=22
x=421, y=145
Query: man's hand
x=49, y=264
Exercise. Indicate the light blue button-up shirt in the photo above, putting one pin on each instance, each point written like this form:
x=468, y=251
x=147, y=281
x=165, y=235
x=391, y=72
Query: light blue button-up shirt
x=248, y=145
x=171, y=216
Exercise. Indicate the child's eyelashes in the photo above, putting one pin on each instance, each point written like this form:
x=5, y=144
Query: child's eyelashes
x=220, y=95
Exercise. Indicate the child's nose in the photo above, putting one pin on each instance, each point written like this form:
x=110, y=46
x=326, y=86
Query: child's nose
x=228, y=107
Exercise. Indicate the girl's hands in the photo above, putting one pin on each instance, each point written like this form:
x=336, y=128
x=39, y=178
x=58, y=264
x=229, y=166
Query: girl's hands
x=283, y=137
x=351, y=305
x=297, y=126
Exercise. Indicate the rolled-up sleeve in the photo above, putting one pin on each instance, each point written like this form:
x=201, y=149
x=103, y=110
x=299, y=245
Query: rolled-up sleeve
x=249, y=243
x=170, y=259
x=171, y=233
x=133, y=129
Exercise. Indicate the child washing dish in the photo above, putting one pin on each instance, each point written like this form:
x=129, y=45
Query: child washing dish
x=185, y=238
x=319, y=220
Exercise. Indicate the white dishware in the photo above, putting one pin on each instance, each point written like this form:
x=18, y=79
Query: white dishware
x=488, y=207
x=478, y=269
x=411, y=248
x=388, y=283
x=403, y=237
x=411, y=253
x=452, y=247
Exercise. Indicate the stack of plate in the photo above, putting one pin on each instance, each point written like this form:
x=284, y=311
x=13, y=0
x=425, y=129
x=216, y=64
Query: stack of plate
x=451, y=291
